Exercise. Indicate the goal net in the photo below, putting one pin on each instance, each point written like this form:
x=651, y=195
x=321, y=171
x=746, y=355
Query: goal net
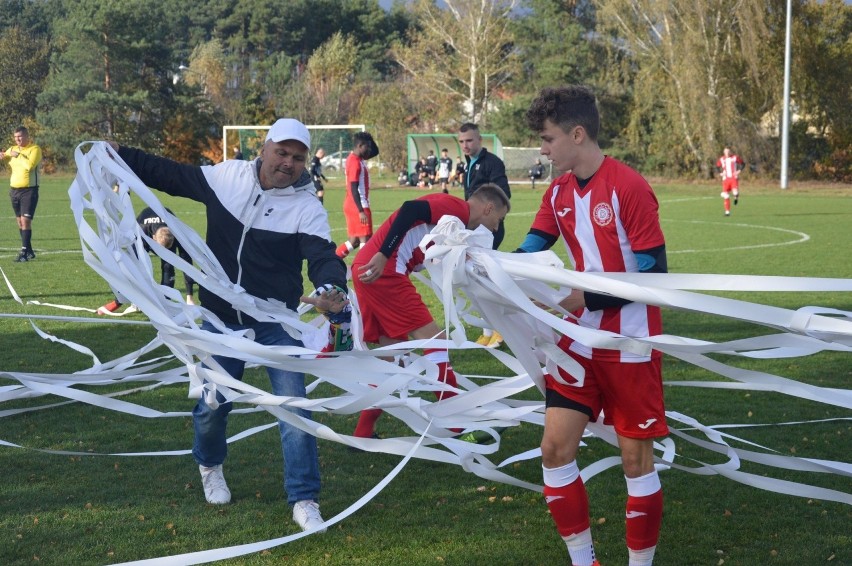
x=335, y=139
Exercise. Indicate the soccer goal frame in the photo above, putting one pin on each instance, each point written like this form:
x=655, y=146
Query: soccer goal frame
x=341, y=143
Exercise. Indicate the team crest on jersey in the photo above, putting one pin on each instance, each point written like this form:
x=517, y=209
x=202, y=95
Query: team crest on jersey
x=602, y=214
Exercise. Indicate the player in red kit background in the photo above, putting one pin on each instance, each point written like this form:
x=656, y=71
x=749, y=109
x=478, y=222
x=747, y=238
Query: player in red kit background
x=729, y=167
x=356, y=201
x=391, y=308
x=607, y=215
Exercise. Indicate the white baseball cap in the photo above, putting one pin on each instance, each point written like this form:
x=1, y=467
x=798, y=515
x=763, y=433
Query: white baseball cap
x=289, y=129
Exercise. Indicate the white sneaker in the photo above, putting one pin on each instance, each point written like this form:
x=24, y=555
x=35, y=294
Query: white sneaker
x=306, y=513
x=215, y=489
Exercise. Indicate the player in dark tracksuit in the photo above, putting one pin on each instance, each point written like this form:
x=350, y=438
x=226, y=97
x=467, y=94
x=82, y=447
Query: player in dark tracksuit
x=155, y=228
x=150, y=223
x=316, y=173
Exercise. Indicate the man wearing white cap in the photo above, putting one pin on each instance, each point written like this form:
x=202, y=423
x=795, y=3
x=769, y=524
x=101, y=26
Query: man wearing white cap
x=263, y=218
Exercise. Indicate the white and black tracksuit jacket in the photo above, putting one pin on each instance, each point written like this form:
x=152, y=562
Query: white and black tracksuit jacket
x=261, y=237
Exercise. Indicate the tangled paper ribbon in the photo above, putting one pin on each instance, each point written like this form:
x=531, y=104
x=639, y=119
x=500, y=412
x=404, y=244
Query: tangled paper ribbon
x=477, y=286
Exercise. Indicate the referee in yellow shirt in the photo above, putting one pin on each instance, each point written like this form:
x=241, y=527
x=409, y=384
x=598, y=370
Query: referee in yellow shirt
x=24, y=158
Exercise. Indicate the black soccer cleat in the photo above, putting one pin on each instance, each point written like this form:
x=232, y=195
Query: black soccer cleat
x=30, y=255
x=22, y=257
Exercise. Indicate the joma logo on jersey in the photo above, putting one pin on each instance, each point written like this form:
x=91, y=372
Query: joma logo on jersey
x=603, y=214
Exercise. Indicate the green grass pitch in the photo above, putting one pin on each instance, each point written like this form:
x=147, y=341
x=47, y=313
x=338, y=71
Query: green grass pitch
x=82, y=509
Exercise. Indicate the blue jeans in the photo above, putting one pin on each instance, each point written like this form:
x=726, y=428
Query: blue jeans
x=301, y=460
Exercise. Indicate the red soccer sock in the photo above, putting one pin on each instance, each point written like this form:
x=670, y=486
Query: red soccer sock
x=445, y=374
x=644, y=512
x=448, y=376
x=343, y=249
x=569, y=507
x=727, y=205
x=445, y=370
x=366, y=426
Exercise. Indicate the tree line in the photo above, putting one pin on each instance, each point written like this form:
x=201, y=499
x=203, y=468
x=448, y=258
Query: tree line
x=676, y=81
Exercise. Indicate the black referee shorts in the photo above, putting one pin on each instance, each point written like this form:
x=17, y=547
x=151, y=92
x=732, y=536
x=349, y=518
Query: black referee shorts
x=24, y=201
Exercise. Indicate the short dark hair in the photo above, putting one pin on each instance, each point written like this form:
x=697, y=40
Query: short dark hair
x=22, y=130
x=361, y=138
x=467, y=126
x=567, y=107
x=489, y=192
x=365, y=138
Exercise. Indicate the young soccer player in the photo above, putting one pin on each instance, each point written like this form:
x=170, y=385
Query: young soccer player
x=607, y=215
x=356, y=202
x=391, y=308
x=729, y=167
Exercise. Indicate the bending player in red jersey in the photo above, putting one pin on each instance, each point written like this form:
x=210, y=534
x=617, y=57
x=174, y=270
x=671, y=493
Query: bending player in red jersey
x=729, y=167
x=391, y=308
x=607, y=215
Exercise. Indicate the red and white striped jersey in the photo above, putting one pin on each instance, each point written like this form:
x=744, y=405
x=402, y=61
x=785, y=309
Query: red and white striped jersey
x=408, y=256
x=356, y=170
x=729, y=166
x=602, y=225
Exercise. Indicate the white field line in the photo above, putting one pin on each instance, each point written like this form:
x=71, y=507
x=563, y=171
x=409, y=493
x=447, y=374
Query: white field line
x=800, y=237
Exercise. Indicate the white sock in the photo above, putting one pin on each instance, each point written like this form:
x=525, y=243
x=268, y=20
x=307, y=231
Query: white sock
x=580, y=548
x=644, y=557
x=561, y=476
x=643, y=486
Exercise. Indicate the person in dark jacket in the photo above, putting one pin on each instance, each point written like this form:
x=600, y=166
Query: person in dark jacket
x=458, y=175
x=263, y=220
x=431, y=167
x=316, y=173
x=536, y=172
x=483, y=167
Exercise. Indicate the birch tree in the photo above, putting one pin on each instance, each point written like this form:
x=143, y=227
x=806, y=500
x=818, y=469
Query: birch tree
x=459, y=56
